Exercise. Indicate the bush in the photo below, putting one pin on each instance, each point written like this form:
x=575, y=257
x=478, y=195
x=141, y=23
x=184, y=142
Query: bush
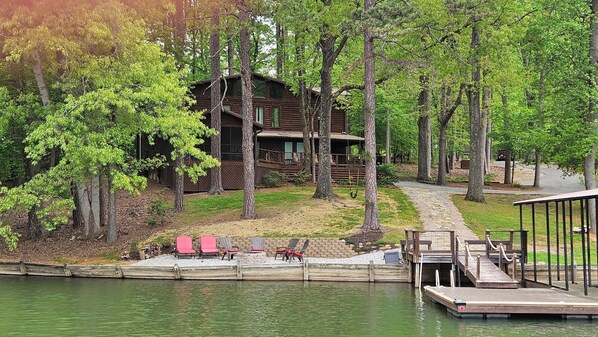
x=386, y=174
x=274, y=179
x=157, y=210
x=300, y=178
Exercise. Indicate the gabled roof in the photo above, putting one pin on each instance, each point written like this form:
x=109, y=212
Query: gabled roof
x=230, y=77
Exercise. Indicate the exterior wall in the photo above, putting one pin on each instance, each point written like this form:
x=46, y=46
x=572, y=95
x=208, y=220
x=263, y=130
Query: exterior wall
x=290, y=119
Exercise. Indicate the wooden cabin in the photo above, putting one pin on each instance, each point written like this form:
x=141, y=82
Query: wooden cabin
x=278, y=133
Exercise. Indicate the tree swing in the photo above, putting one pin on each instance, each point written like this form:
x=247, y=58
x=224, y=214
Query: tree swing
x=353, y=192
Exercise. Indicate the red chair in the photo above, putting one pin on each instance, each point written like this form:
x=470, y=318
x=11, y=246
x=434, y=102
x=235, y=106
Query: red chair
x=229, y=249
x=299, y=254
x=184, y=247
x=285, y=251
x=208, y=246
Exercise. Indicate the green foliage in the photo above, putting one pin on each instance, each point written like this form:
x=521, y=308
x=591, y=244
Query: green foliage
x=386, y=174
x=157, y=210
x=275, y=179
x=300, y=178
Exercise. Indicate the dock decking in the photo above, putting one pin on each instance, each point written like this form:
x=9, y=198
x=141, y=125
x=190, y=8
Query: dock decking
x=488, y=303
x=490, y=275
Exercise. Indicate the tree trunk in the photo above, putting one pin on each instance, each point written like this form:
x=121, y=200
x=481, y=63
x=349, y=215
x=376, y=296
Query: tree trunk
x=230, y=51
x=103, y=198
x=537, y=153
x=35, y=228
x=477, y=127
x=486, y=96
x=249, y=211
x=95, y=206
x=216, y=124
x=537, y=168
x=179, y=31
x=329, y=55
x=444, y=117
x=508, y=176
x=304, y=108
x=179, y=184
x=387, y=159
x=279, y=50
x=112, y=229
x=589, y=167
x=424, y=144
x=371, y=222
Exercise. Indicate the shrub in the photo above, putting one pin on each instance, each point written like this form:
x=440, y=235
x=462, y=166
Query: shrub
x=274, y=179
x=300, y=178
x=386, y=174
x=157, y=210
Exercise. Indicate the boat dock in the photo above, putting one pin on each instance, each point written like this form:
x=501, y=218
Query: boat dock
x=467, y=302
x=494, y=270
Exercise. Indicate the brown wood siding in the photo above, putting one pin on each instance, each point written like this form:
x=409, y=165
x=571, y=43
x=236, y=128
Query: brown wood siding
x=290, y=118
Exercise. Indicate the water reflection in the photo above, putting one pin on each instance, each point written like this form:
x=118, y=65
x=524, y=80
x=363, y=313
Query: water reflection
x=85, y=307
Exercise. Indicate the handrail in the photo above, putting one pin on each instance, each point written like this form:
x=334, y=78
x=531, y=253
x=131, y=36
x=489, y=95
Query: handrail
x=490, y=243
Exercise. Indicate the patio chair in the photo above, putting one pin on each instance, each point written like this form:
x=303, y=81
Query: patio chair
x=298, y=253
x=284, y=251
x=229, y=249
x=184, y=247
x=258, y=244
x=208, y=247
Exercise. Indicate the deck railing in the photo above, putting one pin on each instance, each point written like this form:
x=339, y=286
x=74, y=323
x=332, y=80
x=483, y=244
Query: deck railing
x=437, y=242
x=296, y=158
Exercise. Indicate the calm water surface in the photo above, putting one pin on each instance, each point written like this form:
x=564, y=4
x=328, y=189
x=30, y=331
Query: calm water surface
x=93, y=307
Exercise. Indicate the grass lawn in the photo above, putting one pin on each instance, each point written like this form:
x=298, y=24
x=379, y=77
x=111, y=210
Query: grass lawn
x=498, y=213
x=291, y=211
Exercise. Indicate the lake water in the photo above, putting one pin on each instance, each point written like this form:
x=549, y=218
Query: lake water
x=31, y=306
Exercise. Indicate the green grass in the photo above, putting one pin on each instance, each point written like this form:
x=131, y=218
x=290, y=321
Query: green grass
x=396, y=212
x=498, y=213
x=233, y=201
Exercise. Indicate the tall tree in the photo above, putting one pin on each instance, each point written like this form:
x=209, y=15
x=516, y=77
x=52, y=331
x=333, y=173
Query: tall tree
x=477, y=119
x=424, y=144
x=249, y=211
x=332, y=40
x=371, y=221
x=446, y=112
x=215, y=107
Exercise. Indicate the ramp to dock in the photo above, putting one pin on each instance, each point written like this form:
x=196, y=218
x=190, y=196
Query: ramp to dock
x=486, y=303
x=490, y=275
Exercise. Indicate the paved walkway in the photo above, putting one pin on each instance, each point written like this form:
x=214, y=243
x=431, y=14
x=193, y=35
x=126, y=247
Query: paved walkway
x=437, y=211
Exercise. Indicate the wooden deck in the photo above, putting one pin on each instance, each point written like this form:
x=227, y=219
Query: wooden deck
x=490, y=275
x=488, y=303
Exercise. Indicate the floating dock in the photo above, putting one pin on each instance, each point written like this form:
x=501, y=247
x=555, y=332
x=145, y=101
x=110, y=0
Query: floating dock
x=467, y=302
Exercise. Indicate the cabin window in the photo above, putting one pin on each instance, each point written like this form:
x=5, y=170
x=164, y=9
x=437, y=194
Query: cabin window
x=226, y=107
x=275, y=117
x=259, y=114
x=260, y=89
x=275, y=90
x=293, y=151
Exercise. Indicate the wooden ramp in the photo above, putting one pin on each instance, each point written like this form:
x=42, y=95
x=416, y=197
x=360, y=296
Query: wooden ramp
x=490, y=275
x=488, y=303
